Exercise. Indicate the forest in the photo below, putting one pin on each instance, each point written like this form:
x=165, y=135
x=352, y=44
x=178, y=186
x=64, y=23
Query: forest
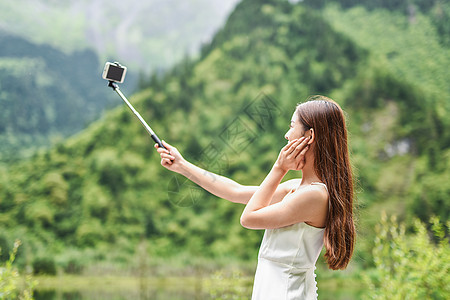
x=98, y=201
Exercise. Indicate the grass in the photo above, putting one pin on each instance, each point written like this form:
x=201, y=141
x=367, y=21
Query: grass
x=185, y=287
x=219, y=285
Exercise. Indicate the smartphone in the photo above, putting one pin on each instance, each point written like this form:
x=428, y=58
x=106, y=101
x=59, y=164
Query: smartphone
x=114, y=72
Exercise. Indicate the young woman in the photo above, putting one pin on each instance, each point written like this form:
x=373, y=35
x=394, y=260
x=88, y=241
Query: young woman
x=300, y=215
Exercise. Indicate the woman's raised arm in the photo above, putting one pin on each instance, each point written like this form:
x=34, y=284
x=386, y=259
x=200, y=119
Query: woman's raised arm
x=218, y=185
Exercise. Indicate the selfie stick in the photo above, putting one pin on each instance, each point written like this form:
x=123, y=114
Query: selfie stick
x=115, y=87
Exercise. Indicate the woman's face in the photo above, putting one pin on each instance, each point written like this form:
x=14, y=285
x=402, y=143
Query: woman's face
x=296, y=129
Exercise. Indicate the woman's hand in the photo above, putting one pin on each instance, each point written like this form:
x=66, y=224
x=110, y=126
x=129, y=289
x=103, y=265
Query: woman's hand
x=292, y=156
x=171, y=159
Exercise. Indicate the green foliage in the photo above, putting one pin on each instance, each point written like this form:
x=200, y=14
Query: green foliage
x=403, y=6
x=40, y=214
x=44, y=266
x=4, y=249
x=430, y=195
x=410, y=266
x=74, y=266
x=89, y=233
x=10, y=284
x=398, y=45
x=441, y=14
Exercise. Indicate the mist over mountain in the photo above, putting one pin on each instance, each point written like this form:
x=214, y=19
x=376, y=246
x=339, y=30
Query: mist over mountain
x=143, y=34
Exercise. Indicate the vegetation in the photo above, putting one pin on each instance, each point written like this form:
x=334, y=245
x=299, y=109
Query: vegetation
x=101, y=200
x=411, y=265
x=10, y=283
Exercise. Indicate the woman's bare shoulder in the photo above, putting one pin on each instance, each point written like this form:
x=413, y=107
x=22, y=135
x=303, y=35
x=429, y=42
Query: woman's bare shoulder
x=283, y=189
x=313, y=196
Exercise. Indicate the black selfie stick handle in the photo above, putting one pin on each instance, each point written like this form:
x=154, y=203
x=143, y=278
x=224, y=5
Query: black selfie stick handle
x=115, y=87
x=157, y=140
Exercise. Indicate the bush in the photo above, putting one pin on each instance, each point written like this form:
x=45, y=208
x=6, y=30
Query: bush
x=89, y=233
x=9, y=278
x=4, y=249
x=44, y=265
x=409, y=266
x=74, y=266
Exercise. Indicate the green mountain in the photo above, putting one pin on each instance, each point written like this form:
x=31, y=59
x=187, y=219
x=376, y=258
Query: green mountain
x=94, y=198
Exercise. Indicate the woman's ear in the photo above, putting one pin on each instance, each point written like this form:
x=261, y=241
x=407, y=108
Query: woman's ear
x=311, y=136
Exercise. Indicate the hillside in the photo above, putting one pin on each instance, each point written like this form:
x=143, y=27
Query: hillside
x=95, y=197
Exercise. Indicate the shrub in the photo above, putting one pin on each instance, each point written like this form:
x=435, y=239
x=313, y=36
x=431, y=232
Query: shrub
x=44, y=265
x=89, y=233
x=9, y=280
x=409, y=266
x=4, y=249
x=74, y=266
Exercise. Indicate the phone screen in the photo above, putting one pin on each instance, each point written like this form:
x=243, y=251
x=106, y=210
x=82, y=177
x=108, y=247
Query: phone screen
x=115, y=73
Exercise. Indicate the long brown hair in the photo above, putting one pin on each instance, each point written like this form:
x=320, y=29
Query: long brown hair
x=332, y=166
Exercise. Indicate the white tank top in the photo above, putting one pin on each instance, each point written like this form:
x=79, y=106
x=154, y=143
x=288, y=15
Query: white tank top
x=286, y=262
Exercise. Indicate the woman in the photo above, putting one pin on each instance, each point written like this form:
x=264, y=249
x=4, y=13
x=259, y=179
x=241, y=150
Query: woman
x=300, y=215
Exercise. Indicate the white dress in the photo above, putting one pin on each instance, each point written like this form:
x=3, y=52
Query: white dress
x=286, y=263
